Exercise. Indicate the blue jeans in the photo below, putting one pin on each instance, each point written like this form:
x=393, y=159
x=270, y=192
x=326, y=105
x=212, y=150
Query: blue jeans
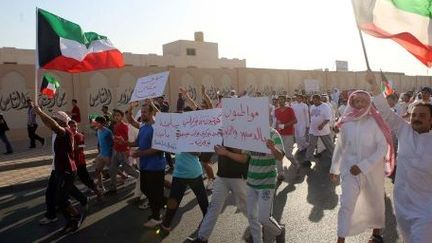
x=5, y=140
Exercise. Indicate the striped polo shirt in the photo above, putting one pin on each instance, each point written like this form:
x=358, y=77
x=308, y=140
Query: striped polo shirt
x=262, y=167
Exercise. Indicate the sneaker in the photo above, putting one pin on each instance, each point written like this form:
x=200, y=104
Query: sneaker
x=197, y=240
x=46, y=221
x=144, y=205
x=163, y=231
x=281, y=237
x=376, y=239
x=152, y=223
x=209, y=186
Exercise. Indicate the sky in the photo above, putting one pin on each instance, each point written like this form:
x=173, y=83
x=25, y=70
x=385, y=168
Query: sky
x=277, y=34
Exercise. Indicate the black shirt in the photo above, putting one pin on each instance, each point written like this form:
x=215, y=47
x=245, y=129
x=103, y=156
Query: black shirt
x=229, y=168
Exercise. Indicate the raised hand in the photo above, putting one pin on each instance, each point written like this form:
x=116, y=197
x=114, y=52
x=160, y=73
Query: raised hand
x=371, y=80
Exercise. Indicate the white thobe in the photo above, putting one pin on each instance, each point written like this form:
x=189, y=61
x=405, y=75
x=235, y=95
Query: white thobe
x=360, y=143
x=413, y=183
x=301, y=111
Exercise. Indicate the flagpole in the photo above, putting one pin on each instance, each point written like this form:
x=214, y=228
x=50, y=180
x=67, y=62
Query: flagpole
x=36, y=61
x=364, y=48
x=361, y=39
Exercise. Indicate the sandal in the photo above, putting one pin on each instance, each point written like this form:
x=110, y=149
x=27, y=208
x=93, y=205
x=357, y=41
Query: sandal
x=376, y=239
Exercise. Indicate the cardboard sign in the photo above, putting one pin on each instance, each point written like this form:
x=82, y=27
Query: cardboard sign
x=199, y=131
x=195, y=131
x=164, y=132
x=246, y=123
x=150, y=86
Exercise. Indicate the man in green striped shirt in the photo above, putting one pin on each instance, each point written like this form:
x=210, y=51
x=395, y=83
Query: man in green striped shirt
x=261, y=181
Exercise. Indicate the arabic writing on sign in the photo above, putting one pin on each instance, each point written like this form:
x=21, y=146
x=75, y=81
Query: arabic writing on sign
x=244, y=113
x=198, y=133
x=246, y=123
x=150, y=86
x=195, y=131
x=167, y=146
x=193, y=121
x=164, y=133
x=245, y=134
x=101, y=97
x=202, y=143
x=199, y=130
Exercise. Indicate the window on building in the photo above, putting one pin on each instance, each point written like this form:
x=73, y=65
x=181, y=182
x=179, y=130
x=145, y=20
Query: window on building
x=191, y=52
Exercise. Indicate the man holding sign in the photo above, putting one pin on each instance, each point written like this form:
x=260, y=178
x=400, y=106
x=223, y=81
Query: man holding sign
x=261, y=181
x=246, y=126
x=152, y=163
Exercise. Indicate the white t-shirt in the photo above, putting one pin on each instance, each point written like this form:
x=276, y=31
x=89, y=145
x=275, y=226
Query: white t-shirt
x=318, y=114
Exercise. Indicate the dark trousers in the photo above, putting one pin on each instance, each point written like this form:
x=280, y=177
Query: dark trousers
x=5, y=140
x=169, y=159
x=85, y=178
x=31, y=130
x=57, y=193
x=152, y=185
x=178, y=188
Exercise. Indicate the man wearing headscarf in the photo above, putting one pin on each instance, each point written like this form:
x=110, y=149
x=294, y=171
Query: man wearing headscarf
x=359, y=158
x=412, y=190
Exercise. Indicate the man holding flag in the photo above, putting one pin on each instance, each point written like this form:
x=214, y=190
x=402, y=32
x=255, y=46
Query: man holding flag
x=412, y=190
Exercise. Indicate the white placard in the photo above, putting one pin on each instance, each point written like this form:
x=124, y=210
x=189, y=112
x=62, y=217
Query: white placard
x=199, y=131
x=150, y=86
x=311, y=85
x=164, y=132
x=246, y=123
x=194, y=131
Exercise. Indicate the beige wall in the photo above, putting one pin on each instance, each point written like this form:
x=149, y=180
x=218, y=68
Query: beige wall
x=113, y=87
x=207, y=57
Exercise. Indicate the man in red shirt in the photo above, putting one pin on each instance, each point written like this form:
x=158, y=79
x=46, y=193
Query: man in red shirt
x=285, y=120
x=120, y=151
x=79, y=157
x=75, y=113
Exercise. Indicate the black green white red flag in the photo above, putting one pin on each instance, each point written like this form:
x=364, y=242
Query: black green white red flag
x=62, y=45
x=405, y=21
x=49, y=85
x=386, y=86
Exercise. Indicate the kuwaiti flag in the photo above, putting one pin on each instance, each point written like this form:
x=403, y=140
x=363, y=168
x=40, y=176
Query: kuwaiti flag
x=386, y=86
x=63, y=46
x=49, y=85
x=405, y=21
